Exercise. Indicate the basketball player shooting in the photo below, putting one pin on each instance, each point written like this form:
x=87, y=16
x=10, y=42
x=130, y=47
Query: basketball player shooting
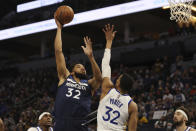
x=180, y=119
x=116, y=108
x=73, y=99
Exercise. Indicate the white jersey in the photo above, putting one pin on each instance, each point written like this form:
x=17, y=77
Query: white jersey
x=113, y=111
x=187, y=129
x=38, y=129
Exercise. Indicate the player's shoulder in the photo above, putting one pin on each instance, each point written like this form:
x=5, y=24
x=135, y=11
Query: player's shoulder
x=62, y=81
x=192, y=129
x=68, y=79
x=32, y=129
x=133, y=106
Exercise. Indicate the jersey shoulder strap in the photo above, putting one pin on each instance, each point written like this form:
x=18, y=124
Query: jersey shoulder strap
x=39, y=129
x=188, y=129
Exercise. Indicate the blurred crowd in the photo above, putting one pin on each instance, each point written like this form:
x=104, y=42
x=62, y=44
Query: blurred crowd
x=181, y=29
x=165, y=85
x=24, y=97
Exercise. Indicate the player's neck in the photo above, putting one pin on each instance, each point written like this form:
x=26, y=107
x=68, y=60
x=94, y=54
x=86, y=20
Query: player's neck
x=44, y=128
x=121, y=91
x=76, y=79
x=182, y=127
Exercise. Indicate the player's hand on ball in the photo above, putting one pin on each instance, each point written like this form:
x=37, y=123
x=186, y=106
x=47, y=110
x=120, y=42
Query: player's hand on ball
x=109, y=32
x=88, y=46
x=59, y=25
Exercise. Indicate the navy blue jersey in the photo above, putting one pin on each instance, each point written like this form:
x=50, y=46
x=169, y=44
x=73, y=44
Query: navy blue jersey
x=73, y=100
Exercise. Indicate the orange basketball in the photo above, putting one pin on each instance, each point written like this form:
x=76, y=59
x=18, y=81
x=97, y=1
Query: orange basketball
x=64, y=14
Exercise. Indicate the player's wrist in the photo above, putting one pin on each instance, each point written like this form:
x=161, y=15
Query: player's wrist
x=90, y=56
x=109, y=45
x=109, y=41
x=59, y=27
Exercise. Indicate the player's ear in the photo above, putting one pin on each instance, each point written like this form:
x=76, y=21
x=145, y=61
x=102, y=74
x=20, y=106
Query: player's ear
x=185, y=120
x=39, y=121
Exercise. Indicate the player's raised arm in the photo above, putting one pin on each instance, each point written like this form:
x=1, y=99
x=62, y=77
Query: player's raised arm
x=95, y=82
x=106, y=70
x=133, y=116
x=63, y=72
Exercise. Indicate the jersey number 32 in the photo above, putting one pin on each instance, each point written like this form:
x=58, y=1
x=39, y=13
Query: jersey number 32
x=107, y=115
x=73, y=93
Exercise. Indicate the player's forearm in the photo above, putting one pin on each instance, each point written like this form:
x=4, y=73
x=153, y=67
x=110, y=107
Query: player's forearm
x=109, y=44
x=95, y=68
x=58, y=41
x=133, y=126
x=60, y=59
x=133, y=121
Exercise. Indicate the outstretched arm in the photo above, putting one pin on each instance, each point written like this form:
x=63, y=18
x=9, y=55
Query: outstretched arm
x=106, y=70
x=63, y=72
x=133, y=116
x=95, y=82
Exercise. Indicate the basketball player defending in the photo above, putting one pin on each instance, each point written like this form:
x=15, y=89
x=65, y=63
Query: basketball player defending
x=73, y=99
x=116, y=108
x=180, y=119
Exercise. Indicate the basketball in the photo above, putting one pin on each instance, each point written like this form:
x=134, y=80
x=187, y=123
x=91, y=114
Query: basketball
x=64, y=14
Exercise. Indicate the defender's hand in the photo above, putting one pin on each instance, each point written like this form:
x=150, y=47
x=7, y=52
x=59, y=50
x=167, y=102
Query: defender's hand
x=109, y=32
x=88, y=49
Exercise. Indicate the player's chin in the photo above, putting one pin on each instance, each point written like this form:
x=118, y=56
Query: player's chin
x=49, y=123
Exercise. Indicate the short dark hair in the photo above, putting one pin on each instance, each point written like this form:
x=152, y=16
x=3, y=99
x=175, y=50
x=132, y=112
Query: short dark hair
x=72, y=65
x=184, y=109
x=126, y=82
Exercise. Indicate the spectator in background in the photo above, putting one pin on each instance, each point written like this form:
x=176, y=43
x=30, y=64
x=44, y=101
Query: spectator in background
x=179, y=62
x=193, y=91
x=179, y=97
x=193, y=124
x=168, y=96
x=158, y=66
x=161, y=123
x=178, y=85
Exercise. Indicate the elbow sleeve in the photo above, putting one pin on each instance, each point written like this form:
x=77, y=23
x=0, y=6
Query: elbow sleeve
x=105, y=65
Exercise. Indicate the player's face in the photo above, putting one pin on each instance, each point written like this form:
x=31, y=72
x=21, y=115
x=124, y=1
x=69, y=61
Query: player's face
x=46, y=120
x=178, y=118
x=79, y=68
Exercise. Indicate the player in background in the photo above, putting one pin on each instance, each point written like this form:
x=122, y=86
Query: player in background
x=44, y=123
x=180, y=119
